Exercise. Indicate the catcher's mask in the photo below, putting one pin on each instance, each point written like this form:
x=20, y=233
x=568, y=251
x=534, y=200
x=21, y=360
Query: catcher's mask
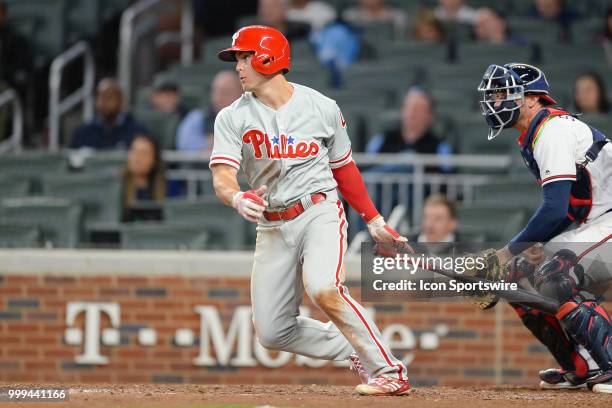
x=502, y=97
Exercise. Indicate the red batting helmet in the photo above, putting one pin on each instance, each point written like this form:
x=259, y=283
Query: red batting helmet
x=270, y=46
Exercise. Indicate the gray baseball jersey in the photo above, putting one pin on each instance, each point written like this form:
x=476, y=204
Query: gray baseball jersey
x=291, y=150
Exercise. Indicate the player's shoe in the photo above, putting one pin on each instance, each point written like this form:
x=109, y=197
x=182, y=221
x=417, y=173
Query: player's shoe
x=558, y=379
x=355, y=365
x=601, y=383
x=381, y=386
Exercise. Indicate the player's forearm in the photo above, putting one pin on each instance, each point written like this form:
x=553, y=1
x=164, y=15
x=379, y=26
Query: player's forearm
x=225, y=183
x=548, y=218
x=353, y=189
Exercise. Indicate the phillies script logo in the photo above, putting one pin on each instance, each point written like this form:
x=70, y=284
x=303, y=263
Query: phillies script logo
x=282, y=147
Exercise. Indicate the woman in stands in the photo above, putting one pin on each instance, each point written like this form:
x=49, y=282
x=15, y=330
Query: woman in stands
x=144, y=176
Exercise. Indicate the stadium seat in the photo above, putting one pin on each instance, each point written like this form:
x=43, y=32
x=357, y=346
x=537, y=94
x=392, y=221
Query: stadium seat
x=539, y=31
x=376, y=32
x=33, y=166
x=163, y=236
x=485, y=54
x=498, y=224
x=50, y=17
x=502, y=193
x=111, y=162
x=13, y=186
x=211, y=47
x=99, y=194
x=18, y=234
x=602, y=122
x=161, y=125
x=83, y=18
x=58, y=219
x=226, y=228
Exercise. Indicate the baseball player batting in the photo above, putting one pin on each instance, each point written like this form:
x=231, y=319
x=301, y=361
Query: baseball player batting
x=292, y=144
x=572, y=161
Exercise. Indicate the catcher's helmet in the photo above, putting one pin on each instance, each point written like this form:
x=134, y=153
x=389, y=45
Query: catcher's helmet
x=270, y=46
x=502, y=96
x=533, y=80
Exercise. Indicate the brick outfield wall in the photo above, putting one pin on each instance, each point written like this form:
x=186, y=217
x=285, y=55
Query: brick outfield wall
x=33, y=323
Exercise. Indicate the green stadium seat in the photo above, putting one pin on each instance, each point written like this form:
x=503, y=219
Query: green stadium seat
x=12, y=186
x=83, y=18
x=99, y=194
x=226, y=229
x=161, y=125
x=504, y=193
x=484, y=54
x=18, y=235
x=376, y=32
x=50, y=17
x=602, y=122
x=58, y=219
x=112, y=162
x=540, y=31
x=211, y=47
x=33, y=165
x=459, y=32
x=498, y=224
x=163, y=236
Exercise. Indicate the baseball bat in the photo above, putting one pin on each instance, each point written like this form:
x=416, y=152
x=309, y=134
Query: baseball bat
x=518, y=296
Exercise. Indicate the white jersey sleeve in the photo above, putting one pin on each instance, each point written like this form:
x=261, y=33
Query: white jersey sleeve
x=554, y=149
x=339, y=145
x=227, y=142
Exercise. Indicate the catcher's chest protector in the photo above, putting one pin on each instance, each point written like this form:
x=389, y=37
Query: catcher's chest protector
x=581, y=197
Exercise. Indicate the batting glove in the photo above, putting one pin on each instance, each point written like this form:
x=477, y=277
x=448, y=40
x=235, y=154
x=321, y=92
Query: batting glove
x=250, y=204
x=381, y=232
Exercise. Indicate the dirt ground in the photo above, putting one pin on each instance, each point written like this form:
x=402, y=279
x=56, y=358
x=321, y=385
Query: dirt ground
x=180, y=396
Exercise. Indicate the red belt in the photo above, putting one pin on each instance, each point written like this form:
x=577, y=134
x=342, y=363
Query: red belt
x=291, y=212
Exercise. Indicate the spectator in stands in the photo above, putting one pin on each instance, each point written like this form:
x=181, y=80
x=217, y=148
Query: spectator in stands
x=316, y=13
x=455, y=11
x=590, y=94
x=555, y=11
x=371, y=11
x=273, y=13
x=144, y=177
x=112, y=127
x=415, y=133
x=166, y=98
x=196, y=130
x=439, y=222
x=16, y=61
x=492, y=27
x=427, y=28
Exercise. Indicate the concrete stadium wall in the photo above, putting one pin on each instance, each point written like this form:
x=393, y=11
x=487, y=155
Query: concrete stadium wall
x=180, y=317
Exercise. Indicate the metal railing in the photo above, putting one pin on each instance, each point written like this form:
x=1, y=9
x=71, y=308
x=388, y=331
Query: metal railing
x=14, y=142
x=131, y=31
x=85, y=94
x=388, y=190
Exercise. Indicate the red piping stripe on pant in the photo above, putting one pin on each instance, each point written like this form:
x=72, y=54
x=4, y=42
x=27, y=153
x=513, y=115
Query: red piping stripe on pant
x=341, y=289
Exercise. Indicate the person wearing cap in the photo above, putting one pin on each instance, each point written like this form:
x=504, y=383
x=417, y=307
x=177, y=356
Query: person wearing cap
x=166, y=98
x=572, y=161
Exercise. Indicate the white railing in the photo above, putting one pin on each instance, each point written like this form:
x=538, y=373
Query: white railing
x=14, y=141
x=131, y=30
x=84, y=95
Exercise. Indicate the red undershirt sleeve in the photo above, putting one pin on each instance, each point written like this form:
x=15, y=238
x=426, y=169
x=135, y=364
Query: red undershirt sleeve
x=353, y=189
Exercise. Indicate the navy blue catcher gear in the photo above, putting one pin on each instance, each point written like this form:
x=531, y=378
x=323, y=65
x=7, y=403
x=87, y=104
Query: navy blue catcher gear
x=533, y=80
x=502, y=97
